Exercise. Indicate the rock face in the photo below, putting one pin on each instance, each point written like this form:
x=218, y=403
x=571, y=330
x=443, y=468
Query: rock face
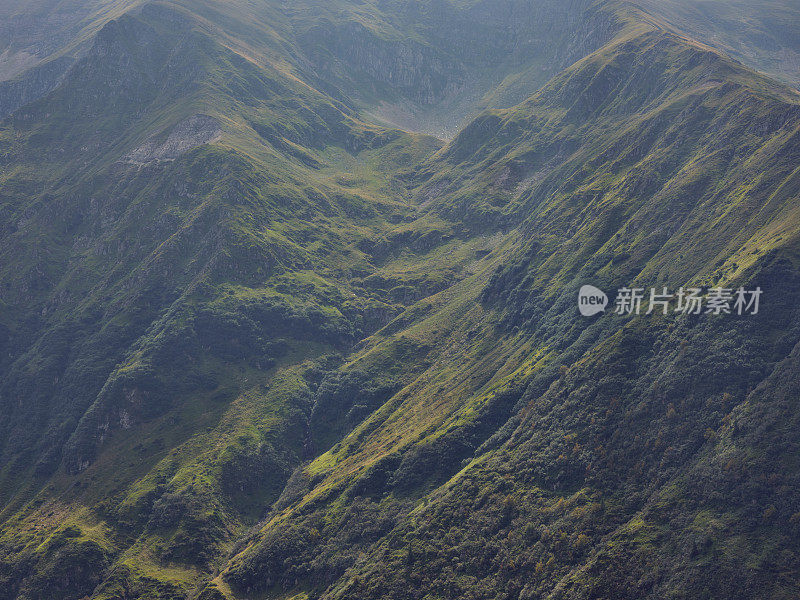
x=458, y=57
x=32, y=85
x=186, y=135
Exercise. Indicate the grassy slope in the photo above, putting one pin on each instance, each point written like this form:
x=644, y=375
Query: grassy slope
x=213, y=330
x=156, y=337
x=653, y=161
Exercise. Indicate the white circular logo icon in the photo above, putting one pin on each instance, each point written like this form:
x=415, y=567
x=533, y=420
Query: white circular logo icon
x=591, y=300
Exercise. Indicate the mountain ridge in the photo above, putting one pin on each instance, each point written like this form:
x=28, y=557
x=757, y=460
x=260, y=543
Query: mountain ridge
x=252, y=566
x=284, y=307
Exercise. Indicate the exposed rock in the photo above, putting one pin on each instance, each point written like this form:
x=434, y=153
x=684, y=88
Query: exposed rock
x=186, y=135
x=13, y=63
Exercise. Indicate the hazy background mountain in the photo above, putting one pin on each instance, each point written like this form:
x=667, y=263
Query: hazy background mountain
x=424, y=66
x=263, y=335
x=762, y=35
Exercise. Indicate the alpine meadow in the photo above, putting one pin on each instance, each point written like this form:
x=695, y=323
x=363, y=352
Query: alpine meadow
x=399, y=299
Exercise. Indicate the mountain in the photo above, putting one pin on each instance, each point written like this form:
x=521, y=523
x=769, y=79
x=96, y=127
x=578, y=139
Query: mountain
x=759, y=34
x=263, y=335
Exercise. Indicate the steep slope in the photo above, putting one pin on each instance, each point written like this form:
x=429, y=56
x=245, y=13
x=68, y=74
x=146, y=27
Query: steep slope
x=424, y=65
x=428, y=65
x=226, y=294
x=759, y=34
x=32, y=31
x=179, y=224
x=538, y=454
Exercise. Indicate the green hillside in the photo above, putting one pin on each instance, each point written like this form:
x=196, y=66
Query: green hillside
x=262, y=336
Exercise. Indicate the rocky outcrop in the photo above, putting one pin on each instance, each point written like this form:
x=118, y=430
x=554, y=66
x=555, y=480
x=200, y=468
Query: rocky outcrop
x=186, y=135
